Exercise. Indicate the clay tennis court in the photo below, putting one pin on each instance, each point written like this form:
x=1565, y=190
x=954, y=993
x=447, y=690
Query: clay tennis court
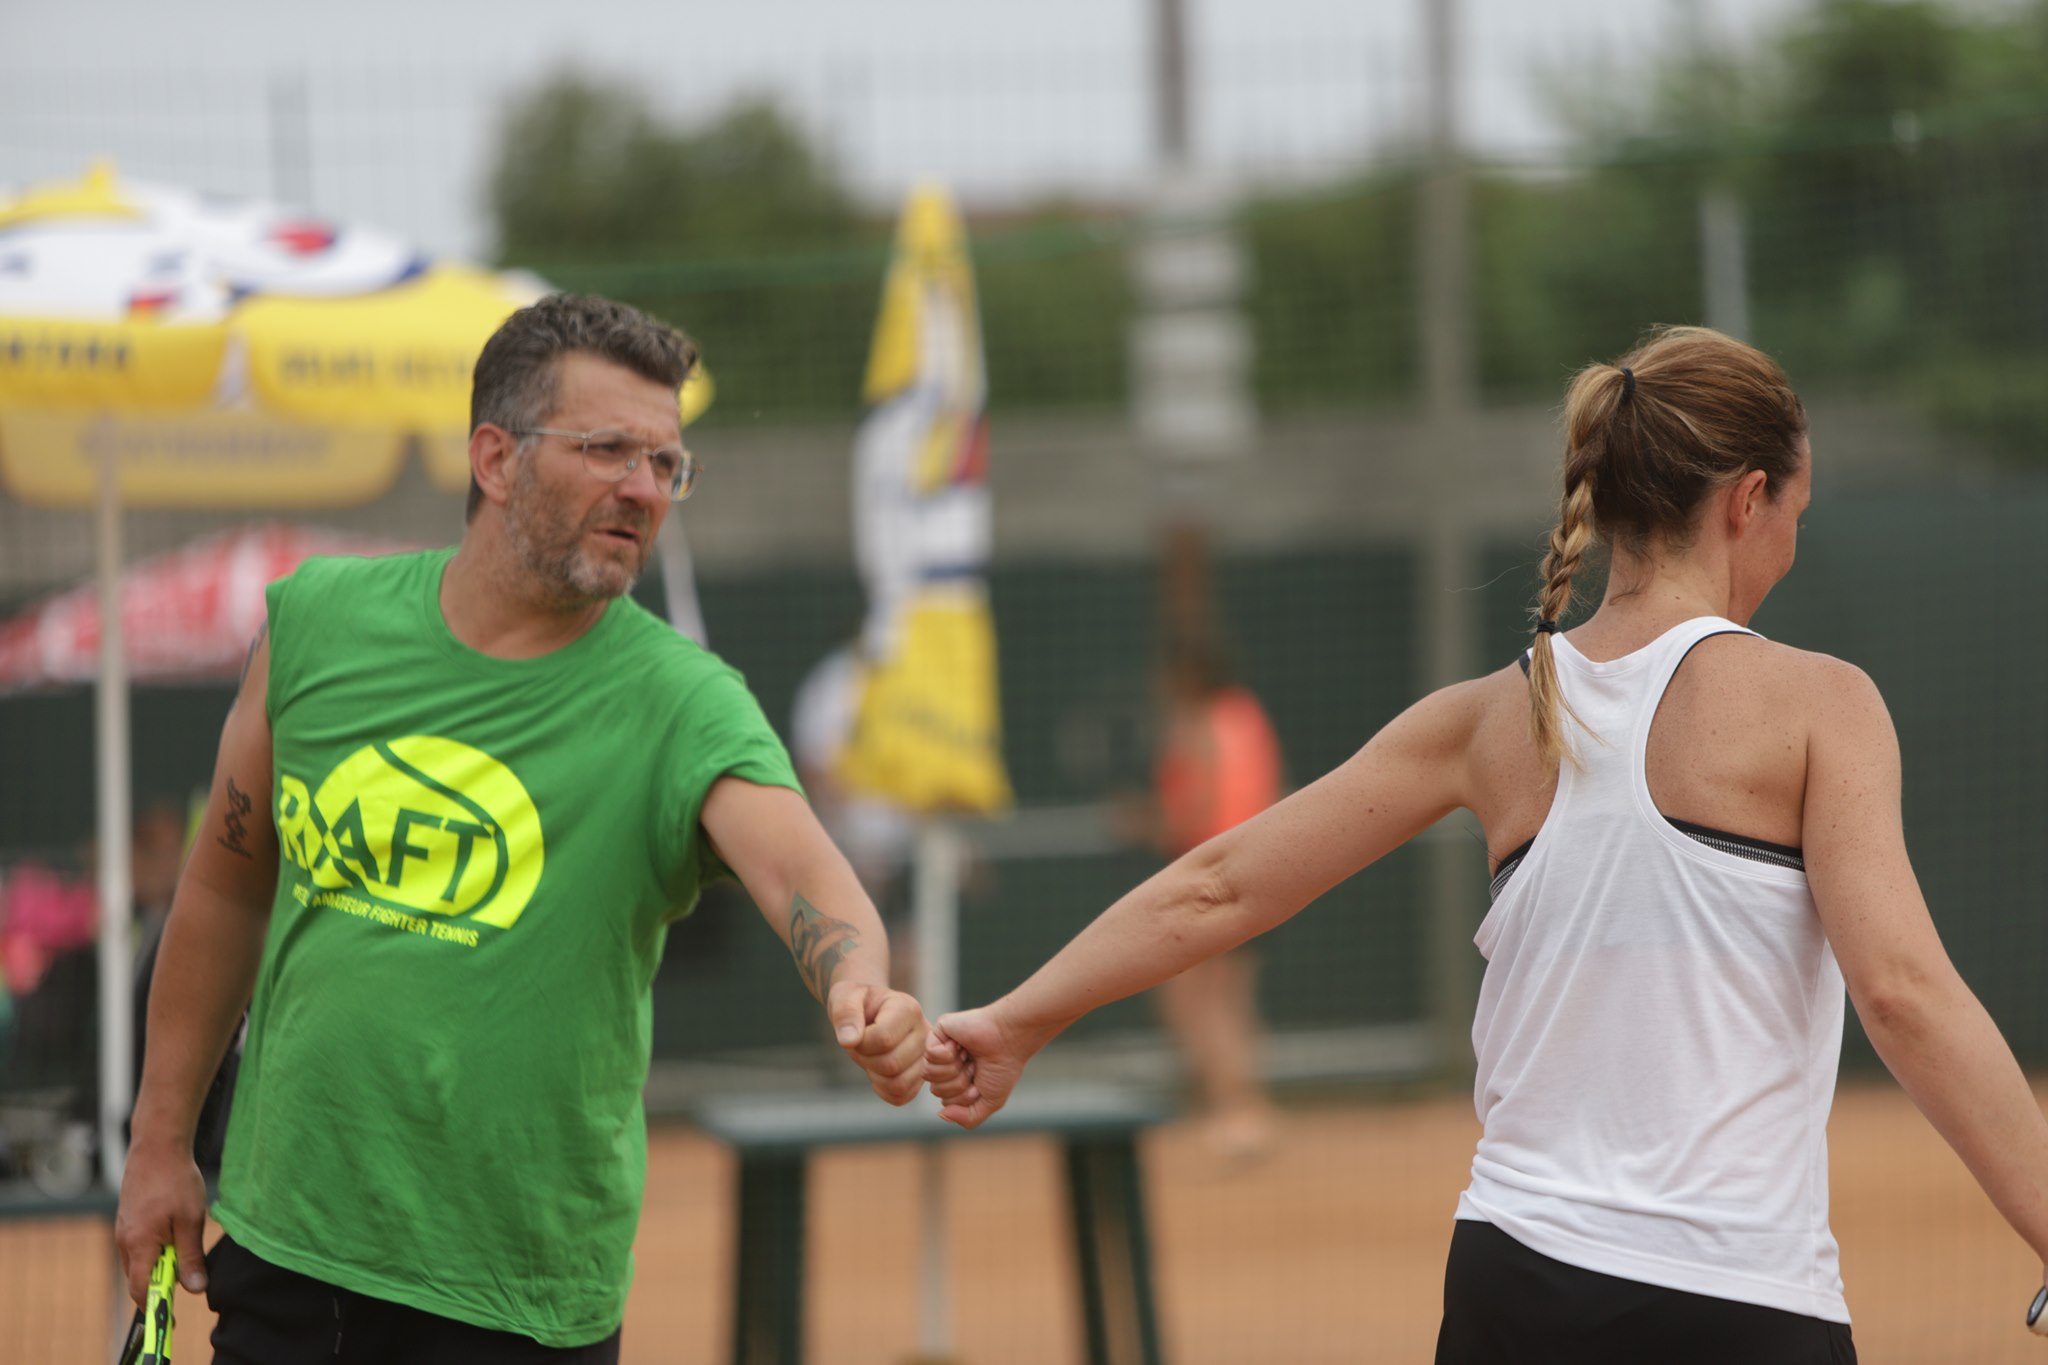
x=1328, y=1252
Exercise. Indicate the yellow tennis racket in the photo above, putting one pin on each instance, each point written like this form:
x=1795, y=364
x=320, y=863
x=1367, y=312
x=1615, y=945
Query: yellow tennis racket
x=149, y=1336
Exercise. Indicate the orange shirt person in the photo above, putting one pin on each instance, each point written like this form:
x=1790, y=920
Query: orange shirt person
x=1218, y=766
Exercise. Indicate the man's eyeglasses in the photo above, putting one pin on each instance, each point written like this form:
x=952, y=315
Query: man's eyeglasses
x=613, y=455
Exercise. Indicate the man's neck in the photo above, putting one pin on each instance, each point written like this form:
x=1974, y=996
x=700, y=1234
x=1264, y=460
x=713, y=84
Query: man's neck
x=492, y=604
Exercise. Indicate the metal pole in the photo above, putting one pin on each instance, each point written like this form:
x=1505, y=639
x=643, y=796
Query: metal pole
x=116, y=1004
x=679, y=582
x=1170, y=122
x=1724, y=262
x=935, y=912
x=1443, y=246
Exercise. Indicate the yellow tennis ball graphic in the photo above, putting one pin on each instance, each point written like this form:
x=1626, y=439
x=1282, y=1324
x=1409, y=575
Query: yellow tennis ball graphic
x=420, y=823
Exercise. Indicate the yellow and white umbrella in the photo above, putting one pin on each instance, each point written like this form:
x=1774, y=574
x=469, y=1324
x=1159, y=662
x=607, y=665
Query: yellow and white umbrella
x=169, y=349
x=229, y=354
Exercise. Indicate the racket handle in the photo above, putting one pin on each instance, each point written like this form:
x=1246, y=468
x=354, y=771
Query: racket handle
x=156, y=1325
x=2037, y=1313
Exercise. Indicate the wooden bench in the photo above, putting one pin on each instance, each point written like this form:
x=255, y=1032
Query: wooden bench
x=1097, y=1127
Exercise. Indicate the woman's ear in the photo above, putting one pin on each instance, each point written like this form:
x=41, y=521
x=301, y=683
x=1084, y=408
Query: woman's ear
x=1747, y=497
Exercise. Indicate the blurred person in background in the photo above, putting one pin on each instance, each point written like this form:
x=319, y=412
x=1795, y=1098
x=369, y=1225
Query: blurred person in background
x=49, y=1054
x=49, y=931
x=158, y=851
x=1696, y=843
x=45, y=912
x=1218, y=765
x=156, y=854
x=459, y=798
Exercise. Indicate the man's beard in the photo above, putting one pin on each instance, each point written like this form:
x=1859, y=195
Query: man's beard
x=555, y=551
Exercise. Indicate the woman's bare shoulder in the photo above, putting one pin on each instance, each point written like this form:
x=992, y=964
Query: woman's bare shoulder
x=1757, y=659
x=1496, y=702
x=1475, y=698
x=1447, y=720
x=1764, y=687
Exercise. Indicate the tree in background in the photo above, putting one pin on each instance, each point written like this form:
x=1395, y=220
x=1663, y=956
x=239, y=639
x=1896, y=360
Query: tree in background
x=743, y=232
x=1890, y=156
x=585, y=171
x=1333, y=295
x=1898, y=200
x=595, y=192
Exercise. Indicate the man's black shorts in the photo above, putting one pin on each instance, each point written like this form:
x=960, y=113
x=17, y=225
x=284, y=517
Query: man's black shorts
x=272, y=1316
x=1506, y=1305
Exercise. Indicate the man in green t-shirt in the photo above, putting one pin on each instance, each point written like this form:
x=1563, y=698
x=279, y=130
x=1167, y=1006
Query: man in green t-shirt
x=460, y=797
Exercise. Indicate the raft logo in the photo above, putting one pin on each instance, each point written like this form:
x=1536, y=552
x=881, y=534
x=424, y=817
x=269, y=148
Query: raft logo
x=420, y=824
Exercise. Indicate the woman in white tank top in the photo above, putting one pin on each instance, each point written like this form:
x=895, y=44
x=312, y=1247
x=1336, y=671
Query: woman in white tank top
x=1696, y=844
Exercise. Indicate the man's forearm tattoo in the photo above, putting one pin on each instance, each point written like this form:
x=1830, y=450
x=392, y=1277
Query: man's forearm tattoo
x=819, y=944
x=239, y=804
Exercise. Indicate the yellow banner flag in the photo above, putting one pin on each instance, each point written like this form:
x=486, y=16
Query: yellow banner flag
x=928, y=731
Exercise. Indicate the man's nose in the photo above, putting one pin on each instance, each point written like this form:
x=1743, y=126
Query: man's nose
x=642, y=484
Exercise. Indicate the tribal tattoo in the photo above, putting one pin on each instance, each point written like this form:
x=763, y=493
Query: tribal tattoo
x=819, y=944
x=236, y=840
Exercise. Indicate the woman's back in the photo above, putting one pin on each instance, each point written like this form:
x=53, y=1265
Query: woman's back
x=1726, y=751
x=1657, y=1031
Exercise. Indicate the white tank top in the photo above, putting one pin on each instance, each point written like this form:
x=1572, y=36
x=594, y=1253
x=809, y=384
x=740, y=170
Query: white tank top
x=1658, y=1029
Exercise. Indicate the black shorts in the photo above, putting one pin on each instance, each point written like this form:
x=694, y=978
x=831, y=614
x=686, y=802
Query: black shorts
x=272, y=1316
x=1506, y=1305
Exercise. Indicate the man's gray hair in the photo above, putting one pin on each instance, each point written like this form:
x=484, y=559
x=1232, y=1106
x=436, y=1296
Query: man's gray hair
x=515, y=386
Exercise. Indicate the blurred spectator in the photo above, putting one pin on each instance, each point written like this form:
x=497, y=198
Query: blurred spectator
x=1218, y=764
x=159, y=851
x=43, y=913
x=157, y=854
x=48, y=926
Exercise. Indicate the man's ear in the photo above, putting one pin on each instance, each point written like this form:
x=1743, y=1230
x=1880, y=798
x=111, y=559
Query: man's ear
x=491, y=452
x=1746, y=499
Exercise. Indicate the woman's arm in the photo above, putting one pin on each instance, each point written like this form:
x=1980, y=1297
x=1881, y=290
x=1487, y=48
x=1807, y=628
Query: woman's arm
x=1923, y=1020
x=1237, y=885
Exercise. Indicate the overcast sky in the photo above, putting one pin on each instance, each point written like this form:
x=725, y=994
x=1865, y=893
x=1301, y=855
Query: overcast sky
x=385, y=110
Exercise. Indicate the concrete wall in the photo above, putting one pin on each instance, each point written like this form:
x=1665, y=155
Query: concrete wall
x=1075, y=487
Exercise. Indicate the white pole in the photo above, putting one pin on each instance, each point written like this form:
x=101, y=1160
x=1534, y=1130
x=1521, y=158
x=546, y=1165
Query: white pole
x=116, y=964
x=679, y=582
x=1724, y=264
x=935, y=914
x=1445, y=535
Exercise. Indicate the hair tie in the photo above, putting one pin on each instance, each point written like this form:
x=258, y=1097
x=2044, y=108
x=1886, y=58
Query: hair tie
x=1628, y=383
x=1545, y=626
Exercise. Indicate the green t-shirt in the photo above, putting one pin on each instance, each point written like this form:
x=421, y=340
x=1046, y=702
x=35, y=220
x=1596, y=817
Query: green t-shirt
x=440, y=1100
